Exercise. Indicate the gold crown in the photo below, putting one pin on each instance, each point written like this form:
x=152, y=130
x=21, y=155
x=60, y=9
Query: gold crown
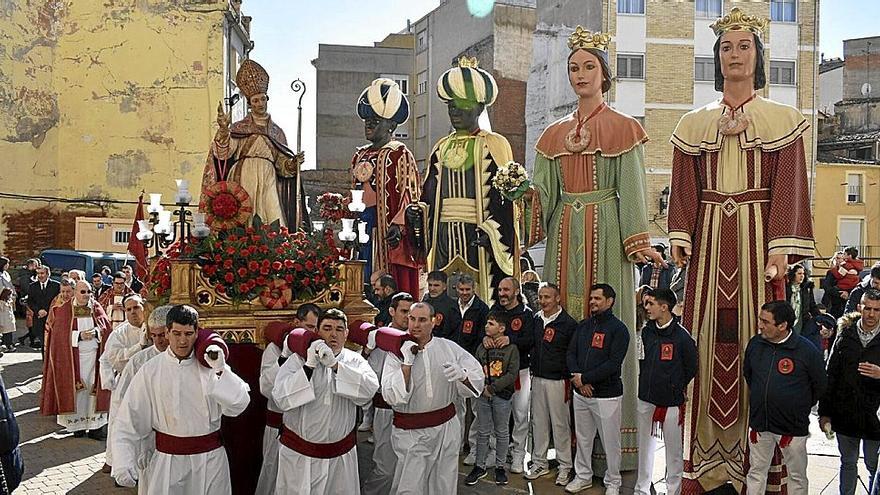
x=252, y=78
x=737, y=21
x=471, y=62
x=583, y=38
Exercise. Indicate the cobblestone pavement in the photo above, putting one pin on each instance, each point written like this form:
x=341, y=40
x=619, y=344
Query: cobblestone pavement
x=57, y=463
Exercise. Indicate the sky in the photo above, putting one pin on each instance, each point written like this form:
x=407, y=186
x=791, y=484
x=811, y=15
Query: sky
x=287, y=33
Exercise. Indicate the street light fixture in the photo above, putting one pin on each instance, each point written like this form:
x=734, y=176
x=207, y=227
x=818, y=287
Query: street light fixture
x=160, y=232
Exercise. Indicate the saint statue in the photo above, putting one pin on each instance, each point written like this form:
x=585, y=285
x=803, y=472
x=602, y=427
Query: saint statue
x=253, y=152
x=472, y=229
x=589, y=203
x=387, y=172
x=739, y=213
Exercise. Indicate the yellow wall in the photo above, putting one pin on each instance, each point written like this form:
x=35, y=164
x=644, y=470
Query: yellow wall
x=831, y=205
x=102, y=102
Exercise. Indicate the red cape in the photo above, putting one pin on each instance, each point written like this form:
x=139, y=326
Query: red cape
x=61, y=363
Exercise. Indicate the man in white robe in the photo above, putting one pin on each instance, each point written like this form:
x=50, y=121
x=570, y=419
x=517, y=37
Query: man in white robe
x=183, y=402
x=306, y=317
x=158, y=336
x=127, y=339
x=320, y=396
x=381, y=478
x=421, y=388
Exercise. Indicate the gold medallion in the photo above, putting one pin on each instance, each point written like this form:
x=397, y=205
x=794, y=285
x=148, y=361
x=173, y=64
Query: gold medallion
x=732, y=122
x=578, y=138
x=362, y=171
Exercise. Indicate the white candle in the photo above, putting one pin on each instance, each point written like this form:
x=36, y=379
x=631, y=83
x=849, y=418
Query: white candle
x=357, y=200
x=155, y=203
x=363, y=237
x=183, y=196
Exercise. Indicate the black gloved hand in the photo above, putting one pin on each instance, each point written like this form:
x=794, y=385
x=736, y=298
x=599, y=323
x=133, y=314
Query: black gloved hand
x=394, y=235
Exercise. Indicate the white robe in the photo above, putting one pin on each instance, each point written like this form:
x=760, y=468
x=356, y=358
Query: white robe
x=148, y=446
x=380, y=479
x=427, y=458
x=184, y=399
x=268, y=371
x=123, y=343
x=322, y=410
x=86, y=416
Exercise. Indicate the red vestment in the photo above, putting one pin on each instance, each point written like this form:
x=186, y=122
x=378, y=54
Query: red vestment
x=61, y=378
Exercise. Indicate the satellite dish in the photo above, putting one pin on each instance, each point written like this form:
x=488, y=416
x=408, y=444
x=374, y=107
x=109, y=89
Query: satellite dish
x=866, y=89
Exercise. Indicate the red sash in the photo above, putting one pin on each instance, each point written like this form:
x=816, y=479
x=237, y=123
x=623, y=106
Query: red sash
x=379, y=401
x=170, y=444
x=274, y=419
x=416, y=421
x=318, y=450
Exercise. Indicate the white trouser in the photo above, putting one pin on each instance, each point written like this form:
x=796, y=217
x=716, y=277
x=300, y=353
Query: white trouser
x=549, y=409
x=760, y=455
x=269, y=469
x=427, y=459
x=520, y=409
x=382, y=476
x=368, y=414
x=672, y=441
x=298, y=473
x=602, y=415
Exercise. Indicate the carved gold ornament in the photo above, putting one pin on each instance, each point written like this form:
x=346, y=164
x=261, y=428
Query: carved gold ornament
x=736, y=20
x=584, y=38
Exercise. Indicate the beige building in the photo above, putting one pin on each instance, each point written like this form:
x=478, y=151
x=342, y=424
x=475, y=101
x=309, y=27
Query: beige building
x=662, y=57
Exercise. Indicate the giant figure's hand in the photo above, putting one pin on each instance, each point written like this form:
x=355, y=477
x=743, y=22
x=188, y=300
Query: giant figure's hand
x=681, y=255
x=393, y=236
x=650, y=255
x=482, y=241
x=777, y=265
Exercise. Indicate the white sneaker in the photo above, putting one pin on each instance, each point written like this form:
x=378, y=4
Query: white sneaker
x=471, y=459
x=563, y=476
x=536, y=472
x=516, y=464
x=578, y=485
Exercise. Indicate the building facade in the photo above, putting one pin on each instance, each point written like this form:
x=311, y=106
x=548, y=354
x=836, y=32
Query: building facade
x=100, y=103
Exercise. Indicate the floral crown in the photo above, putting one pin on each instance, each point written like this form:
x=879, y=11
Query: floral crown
x=471, y=62
x=736, y=20
x=583, y=38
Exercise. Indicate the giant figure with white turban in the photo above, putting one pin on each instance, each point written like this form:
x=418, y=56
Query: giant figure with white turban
x=386, y=171
x=472, y=229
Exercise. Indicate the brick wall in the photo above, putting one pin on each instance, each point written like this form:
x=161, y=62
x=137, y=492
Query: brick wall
x=669, y=73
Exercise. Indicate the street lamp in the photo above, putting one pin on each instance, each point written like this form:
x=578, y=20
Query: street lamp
x=160, y=232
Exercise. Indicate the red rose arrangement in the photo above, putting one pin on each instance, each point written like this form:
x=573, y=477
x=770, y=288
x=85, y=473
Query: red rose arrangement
x=248, y=262
x=333, y=206
x=226, y=205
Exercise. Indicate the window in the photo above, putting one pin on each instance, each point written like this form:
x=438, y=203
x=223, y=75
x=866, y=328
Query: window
x=630, y=6
x=631, y=66
x=783, y=10
x=422, y=80
x=853, y=188
x=781, y=72
x=704, y=69
x=864, y=153
x=422, y=126
x=708, y=9
x=849, y=232
x=421, y=40
x=402, y=131
x=121, y=237
x=400, y=79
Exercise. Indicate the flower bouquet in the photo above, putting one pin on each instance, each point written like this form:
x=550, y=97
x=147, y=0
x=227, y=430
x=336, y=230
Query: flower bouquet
x=264, y=261
x=226, y=205
x=511, y=180
x=333, y=206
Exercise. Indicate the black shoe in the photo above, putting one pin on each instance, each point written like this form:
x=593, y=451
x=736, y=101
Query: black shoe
x=36, y=345
x=22, y=339
x=99, y=434
x=500, y=476
x=475, y=475
x=79, y=434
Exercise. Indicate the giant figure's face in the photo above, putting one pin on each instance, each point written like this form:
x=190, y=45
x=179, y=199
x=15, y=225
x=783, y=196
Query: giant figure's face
x=378, y=130
x=464, y=114
x=585, y=74
x=738, y=56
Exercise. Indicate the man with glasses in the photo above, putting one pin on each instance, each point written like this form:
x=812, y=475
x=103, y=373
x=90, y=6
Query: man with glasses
x=72, y=383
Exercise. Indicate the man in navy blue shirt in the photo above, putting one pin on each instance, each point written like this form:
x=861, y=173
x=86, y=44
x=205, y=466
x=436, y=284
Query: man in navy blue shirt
x=595, y=358
x=786, y=377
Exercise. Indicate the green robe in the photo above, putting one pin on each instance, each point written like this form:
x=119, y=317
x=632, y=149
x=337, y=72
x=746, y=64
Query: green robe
x=593, y=212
